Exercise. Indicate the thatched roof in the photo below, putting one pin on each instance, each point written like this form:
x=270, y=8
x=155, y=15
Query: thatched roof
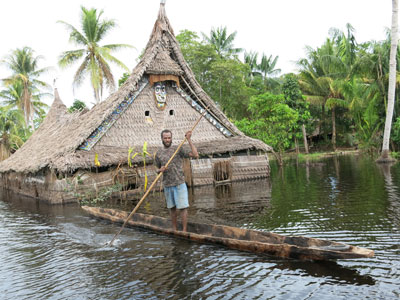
x=163, y=64
x=56, y=143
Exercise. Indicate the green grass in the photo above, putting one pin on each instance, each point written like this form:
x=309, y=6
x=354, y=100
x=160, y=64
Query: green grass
x=314, y=155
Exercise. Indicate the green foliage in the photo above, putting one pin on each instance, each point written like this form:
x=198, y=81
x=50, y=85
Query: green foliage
x=91, y=197
x=222, y=77
x=369, y=130
x=143, y=154
x=295, y=99
x=123, y=78
x=12, y=128
x=24, y=89
x=396, y=131
x=95, y=57
x=78, y=105
x=228, y=88
x=222, y=42
x=266, y=67
x=198, y=55
x=272, y=121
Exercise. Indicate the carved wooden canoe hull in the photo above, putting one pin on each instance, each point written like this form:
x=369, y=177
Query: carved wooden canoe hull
x=297, y=247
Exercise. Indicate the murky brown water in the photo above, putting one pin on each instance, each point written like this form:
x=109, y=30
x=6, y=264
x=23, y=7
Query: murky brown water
x=49, y=252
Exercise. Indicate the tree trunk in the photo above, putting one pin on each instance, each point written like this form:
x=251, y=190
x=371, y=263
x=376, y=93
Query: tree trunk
x=296, y=145
x=303, y=129
x=27, y=103
x=392, y=85
x=333, y=129
x=278, y=157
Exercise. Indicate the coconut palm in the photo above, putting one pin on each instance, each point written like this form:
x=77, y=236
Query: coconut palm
x=392, y=83
x=372, y=68
x=346, y=44
x=24, y=81
x=267, y=66
x=12, y=130
x=250, y=58
x=13, y=97
x=95, y=57
x=322, y=77
x=222, y=42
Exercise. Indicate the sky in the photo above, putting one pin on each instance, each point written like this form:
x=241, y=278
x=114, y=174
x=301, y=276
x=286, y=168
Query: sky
x=279, y=28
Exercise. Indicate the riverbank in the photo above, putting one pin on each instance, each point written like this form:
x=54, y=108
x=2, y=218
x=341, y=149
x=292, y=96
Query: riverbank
x=315, y=155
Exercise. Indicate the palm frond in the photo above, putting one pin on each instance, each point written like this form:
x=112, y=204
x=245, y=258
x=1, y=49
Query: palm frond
x=75, y=36
x=81, y=72
x=104, y=29
x=106, y=71
x=335, y=102
x=116, y=47
x=105, y=53
x=68, y=58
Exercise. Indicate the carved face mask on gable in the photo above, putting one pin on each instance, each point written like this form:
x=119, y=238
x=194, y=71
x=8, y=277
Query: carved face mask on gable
x=160, y=94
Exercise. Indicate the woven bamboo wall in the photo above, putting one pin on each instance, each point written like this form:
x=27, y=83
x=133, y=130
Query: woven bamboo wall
x=133, y=127
x=243, y=168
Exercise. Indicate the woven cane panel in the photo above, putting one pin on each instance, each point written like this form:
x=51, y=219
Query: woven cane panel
x=133, y=127
x=243, y=168
x=249, y=167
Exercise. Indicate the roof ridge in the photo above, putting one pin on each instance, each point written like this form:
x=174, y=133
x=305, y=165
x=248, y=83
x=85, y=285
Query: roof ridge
x=57, y=108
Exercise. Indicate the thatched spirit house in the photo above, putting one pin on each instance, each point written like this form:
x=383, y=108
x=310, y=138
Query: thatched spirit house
x=160, y=93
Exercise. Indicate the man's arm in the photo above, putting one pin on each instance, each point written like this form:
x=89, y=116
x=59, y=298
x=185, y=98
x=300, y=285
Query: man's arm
x=158, y=165
x=194, y=152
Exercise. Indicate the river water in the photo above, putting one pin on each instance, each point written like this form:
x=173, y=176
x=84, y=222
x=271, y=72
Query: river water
x=58, y=252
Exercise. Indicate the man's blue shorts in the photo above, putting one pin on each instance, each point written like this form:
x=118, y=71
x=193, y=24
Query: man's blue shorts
x=176, y=196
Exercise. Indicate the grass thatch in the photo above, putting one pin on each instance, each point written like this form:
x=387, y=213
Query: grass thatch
x=56, y=143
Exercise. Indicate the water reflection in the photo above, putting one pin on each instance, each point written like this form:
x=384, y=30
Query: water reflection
x=327, y=269
x=232, y=204
x=393, y=194
x=57, y=252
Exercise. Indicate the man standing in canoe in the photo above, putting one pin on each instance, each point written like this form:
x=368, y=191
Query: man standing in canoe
x=175, y=190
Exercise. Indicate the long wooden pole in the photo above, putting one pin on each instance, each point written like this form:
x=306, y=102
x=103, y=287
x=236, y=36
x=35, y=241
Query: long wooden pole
x=154, y=182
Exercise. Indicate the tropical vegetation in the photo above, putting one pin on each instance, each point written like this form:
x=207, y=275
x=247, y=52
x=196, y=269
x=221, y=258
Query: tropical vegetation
x=337, y=98
x=23, y=87
x=21, y=98
x=94, y=57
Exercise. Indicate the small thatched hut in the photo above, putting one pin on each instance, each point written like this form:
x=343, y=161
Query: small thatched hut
x=161, y=92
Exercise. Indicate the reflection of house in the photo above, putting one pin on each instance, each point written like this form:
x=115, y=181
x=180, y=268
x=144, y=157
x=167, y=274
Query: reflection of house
x=160, y=93
x=231, y=204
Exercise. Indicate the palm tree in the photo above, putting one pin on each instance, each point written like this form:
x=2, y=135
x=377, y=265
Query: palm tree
x=372, y=68
x=12, y=97
x=250, y=58
x=12, y=131
x=267, y=66
x=268, y=71
x=295, y=100
x=326, y=74
x=95, y=57
x=392, y=84
x=222, y=42
x=24, y=81
x=321, y=78
x=346, y=44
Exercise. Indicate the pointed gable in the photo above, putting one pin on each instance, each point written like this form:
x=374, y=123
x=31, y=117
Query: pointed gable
x=45, y=143
x=68, y=141
x=57, y=109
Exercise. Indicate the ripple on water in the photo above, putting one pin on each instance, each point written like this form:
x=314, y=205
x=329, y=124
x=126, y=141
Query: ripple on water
x=60, y=253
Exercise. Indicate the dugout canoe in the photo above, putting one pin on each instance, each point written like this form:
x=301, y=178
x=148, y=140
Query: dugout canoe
x=298, y=247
